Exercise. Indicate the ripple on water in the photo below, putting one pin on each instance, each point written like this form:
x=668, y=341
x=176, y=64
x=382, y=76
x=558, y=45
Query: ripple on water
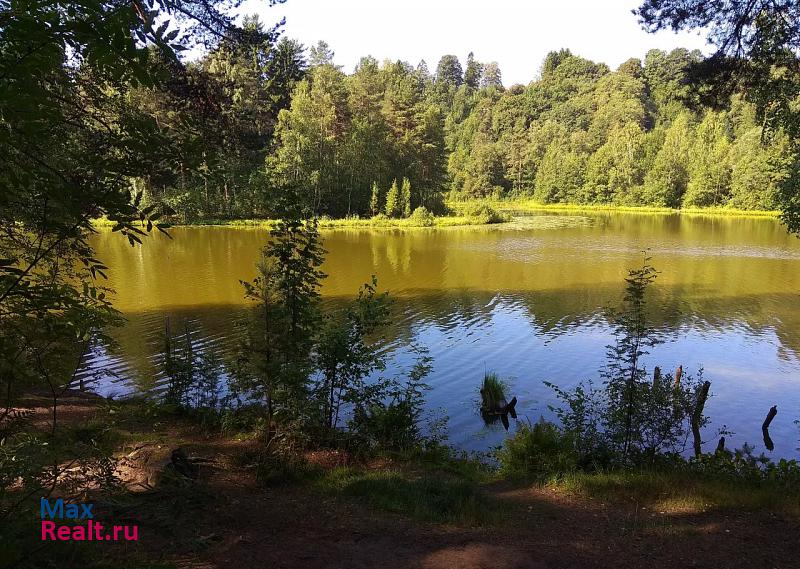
x=527, y=303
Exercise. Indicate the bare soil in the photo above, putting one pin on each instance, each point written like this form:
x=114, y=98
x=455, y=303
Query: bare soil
x=226, y=519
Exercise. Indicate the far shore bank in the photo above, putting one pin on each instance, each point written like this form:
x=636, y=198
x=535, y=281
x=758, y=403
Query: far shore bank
x=527, y=205
x=503, y=211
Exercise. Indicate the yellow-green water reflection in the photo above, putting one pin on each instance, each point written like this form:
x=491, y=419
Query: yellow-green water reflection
x=526, y=300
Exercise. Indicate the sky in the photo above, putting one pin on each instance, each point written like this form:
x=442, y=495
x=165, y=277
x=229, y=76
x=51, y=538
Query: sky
x=515, y=33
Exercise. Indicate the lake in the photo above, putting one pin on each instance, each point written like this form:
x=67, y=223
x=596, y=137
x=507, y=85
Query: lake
x=528, y=300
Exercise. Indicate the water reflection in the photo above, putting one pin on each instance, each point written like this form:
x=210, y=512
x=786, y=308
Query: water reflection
x=528, y=301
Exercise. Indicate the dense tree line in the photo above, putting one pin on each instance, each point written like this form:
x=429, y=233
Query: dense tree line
x=373, y=140
x=638, y=135
x=284, y=117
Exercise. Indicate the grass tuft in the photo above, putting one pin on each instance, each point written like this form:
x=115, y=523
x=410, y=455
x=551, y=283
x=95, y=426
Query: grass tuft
x=492, y=391
x=680, y=492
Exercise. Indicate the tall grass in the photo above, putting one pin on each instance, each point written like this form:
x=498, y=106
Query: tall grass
x=492, y=391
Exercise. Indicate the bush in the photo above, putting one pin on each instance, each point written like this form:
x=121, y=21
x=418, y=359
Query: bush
x=388, y=413
x=484, y=213
x=537, y=451
x=422, y=217
x=743, y=465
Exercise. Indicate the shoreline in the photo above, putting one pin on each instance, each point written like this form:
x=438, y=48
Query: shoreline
x=508, y=208
x=527, y=205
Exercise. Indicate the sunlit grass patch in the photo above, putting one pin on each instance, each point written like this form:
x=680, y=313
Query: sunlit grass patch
x=530, y=205
x=675, y=492
x=355, y=222
x=437, y=498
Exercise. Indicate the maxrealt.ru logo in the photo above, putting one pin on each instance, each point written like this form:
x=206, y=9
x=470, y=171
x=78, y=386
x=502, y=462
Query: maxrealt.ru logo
x=76, y=523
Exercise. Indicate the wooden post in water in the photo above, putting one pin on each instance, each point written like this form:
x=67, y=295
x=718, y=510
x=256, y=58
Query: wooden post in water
x=702, y=396
x=678, y=374
x=721, y=445
x=656, y=376
x=765, y=427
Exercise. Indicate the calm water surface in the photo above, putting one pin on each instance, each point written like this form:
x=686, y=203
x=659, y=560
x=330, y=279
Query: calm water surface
x=527, y=300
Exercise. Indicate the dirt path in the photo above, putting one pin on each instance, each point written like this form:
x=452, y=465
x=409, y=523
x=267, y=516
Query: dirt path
x=226, y=520
x=296, y=527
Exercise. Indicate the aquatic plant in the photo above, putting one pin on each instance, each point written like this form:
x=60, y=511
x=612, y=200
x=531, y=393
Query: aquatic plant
x=492, y=392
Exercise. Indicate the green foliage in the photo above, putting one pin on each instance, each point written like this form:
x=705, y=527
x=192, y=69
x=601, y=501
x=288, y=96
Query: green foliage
x=631, y=419
x=34, y=464
x=492, y=391
x=274, y=468
x=374, y=200
x=645, y=134
x=538, y=451
x=404, y=202
x=756, y=54
x=193, y=375
x=387, y=413
x=275, y=365
x=343, y=135
x=742, y=465
x=422, y=217
x=449, y=73
x=429, y=498
x=483, y=213
x=709, y=163
x=393, y=201
x=76, y=143
x=310, y=368
x=666, y=181
x=343, y=354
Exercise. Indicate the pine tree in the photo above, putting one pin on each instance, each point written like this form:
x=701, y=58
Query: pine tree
x=275, y=361
x=449, y=72
x=473, y=72
x=492, y=77
x=393, y=200
x=374, y=201
x=320, y=54
x=405, y=198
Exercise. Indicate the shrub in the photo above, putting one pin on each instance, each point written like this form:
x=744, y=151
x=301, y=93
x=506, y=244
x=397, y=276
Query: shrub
x=422, y=217
x=484, y=213
x=388, y=413
x=743, y=465
x=537, y=451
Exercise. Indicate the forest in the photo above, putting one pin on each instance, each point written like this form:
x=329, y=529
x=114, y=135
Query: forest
x=393, y=136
